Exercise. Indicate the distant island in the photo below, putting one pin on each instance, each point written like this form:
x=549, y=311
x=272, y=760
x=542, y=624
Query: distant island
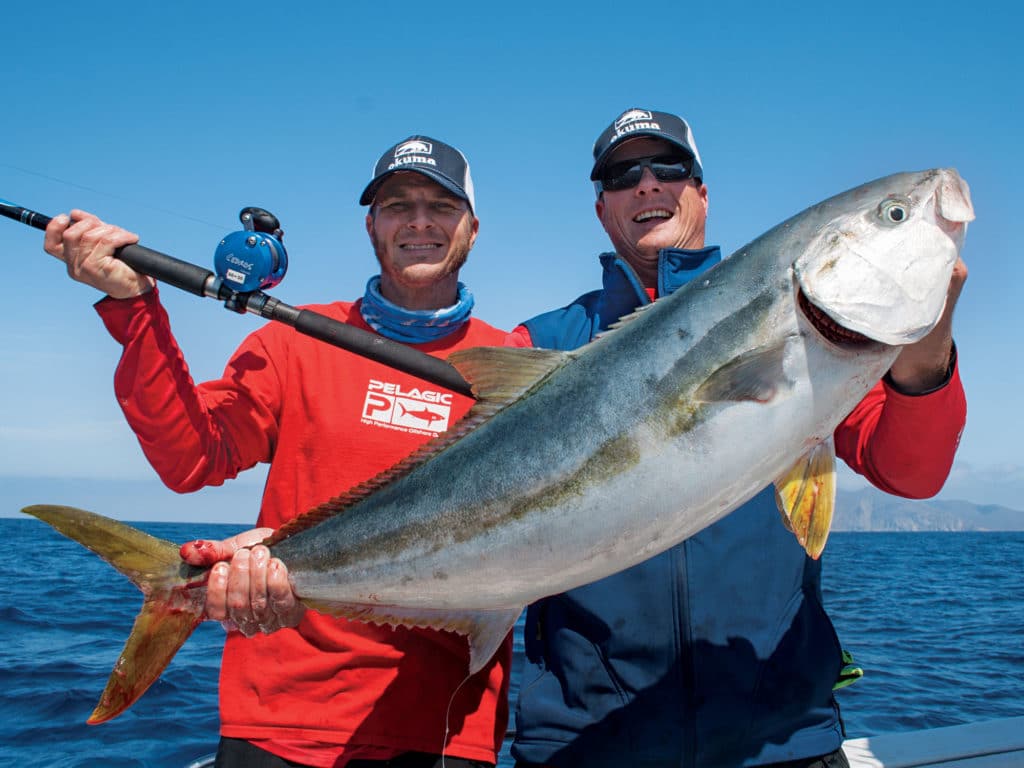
x=236, y=503
x=871, y=510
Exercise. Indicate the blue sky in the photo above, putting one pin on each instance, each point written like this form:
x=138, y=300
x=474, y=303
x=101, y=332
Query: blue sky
x=169, y=118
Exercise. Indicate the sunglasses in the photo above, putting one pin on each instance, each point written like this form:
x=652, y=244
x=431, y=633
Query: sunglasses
x=627, y=174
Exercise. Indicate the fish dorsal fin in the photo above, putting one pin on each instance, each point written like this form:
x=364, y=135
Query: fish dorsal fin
x=806, y=496
x=756, y=375
x=625, y=320
x=498, y=376
x=501, y=375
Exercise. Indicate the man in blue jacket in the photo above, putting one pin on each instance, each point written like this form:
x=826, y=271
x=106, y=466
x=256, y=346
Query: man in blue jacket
x=717, y=652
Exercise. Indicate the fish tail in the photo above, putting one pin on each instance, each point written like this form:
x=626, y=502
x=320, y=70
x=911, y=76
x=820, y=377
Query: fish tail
x=174, y=599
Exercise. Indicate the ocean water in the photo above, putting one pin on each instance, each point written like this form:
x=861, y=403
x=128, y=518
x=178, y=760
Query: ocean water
x=935, y=619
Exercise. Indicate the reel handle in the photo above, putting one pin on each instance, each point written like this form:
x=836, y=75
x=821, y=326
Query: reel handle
x=260, y=220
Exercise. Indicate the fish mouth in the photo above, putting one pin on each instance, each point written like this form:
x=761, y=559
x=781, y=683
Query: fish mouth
x=828, y=328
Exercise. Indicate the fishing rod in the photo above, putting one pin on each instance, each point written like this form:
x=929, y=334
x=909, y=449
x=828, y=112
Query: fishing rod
x=248, y=262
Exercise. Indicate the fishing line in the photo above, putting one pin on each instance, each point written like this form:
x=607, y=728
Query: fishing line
x=447, y=714
x=113, y=196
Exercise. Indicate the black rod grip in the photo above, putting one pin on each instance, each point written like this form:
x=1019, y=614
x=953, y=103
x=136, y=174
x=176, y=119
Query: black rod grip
x=166, y=269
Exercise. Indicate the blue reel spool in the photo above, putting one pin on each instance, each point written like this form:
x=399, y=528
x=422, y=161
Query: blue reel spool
x=254, y=259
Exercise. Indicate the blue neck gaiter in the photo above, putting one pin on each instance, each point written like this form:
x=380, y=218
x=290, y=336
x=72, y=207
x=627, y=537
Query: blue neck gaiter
x=413, y=326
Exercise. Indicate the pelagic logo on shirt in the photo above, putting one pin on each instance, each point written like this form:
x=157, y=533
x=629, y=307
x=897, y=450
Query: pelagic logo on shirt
x=392, y=406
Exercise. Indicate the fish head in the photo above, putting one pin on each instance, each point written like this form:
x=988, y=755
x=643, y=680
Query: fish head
x=880, y=264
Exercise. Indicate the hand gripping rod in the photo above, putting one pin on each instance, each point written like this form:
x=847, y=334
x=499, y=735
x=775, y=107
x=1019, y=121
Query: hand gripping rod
x=202, y=282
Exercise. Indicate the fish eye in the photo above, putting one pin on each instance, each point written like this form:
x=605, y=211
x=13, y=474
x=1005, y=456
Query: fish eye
x=894, y=210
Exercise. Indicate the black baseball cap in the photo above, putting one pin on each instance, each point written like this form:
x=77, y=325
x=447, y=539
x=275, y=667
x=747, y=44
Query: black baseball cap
x=645, y=122
x=438, y=161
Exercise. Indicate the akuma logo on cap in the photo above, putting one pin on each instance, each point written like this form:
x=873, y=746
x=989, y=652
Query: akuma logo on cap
x=414, y=147
x=631, y=116
x=634, y=120
x=413, y=151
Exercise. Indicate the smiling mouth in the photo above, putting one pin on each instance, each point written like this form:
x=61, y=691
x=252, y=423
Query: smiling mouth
x=422, y=247
x=659, y=213
x=828, y=327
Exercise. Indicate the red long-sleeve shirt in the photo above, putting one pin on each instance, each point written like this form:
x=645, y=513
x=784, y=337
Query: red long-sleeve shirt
x=326, y=420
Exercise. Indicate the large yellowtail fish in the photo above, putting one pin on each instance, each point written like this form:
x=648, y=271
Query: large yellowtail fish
x=575, y=465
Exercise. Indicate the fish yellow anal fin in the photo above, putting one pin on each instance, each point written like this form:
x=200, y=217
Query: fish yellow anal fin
x=806, y=496
x=756, y=375
x=499, y=375
x=485, y=631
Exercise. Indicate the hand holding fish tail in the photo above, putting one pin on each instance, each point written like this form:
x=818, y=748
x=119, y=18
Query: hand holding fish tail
x=87, y=245
x=924, y=365
x=206, y=552
x=247, y=590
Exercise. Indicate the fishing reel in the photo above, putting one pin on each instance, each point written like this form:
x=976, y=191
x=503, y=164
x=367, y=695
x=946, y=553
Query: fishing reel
x=253, y=259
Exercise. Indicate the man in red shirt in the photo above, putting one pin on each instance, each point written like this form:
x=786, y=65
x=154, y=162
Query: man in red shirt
x=325, y=691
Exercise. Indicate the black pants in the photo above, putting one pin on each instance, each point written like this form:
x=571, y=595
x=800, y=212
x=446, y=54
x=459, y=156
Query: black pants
x=238, y=753
x=836, y=760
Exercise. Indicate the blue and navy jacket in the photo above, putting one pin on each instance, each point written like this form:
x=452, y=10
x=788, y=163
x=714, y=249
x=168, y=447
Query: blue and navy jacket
x=715, y=653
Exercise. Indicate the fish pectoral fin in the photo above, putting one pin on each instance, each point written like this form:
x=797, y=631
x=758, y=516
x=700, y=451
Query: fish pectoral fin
x=499, y=375
x=756, y=375
x=485, y=630
x=806, y=496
